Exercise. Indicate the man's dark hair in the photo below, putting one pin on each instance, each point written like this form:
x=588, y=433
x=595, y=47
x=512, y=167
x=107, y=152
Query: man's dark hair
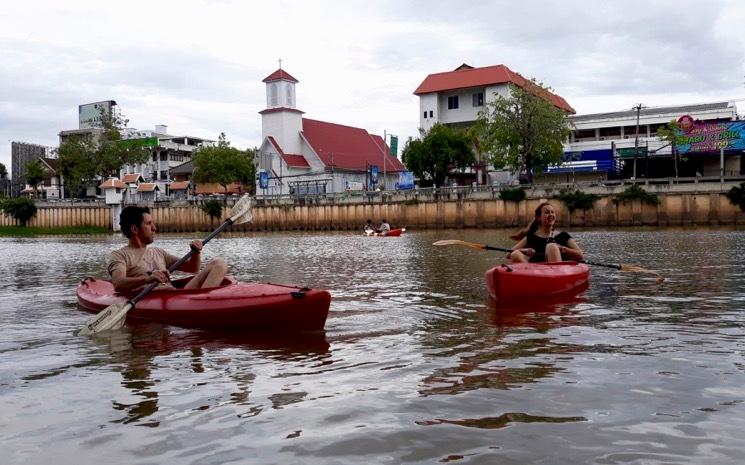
x=131, y=216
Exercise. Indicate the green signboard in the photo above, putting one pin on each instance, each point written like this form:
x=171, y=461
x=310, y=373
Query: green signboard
x=394, y=145
x=629, y=152
x=143, y=142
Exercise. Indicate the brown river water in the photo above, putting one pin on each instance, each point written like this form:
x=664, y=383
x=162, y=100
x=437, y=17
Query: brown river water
x=415, y=366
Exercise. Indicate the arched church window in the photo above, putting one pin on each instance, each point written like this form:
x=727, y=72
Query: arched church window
x=273, y=94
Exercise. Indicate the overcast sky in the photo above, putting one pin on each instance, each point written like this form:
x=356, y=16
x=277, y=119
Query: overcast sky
x=197, y=66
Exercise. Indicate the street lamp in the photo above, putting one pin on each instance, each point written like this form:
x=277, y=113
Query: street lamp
x=638, y=109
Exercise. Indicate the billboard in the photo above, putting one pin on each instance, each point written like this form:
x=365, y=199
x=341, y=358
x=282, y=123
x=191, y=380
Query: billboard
x=405, y=180
x=89, y=115
x=710, y=137
x=263, y=180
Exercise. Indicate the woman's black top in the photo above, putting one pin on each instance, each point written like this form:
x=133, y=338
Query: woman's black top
x=539, y=243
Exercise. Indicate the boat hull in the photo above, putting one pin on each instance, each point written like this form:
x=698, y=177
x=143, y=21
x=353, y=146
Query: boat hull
x=392, y=233
x=534, y=281
x=232, y=306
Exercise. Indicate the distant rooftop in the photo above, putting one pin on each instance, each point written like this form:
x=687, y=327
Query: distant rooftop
x=652, y=111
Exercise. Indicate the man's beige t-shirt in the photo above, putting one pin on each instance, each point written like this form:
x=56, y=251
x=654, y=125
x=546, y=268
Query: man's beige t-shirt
x=137, y=262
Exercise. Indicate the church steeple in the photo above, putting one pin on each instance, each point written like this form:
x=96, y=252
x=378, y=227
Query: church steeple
x=280, y=89
x=281, y=119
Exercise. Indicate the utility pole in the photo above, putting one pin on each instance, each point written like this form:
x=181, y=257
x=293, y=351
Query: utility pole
x=638, y=109
x=385, y=138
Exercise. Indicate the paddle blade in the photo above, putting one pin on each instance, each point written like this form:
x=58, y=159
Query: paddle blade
x=639, y=269
x=241, y=211
x=112, y=317
x=472, y=245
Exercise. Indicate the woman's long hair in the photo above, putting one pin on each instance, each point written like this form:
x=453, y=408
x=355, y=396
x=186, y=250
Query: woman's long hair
x=533, y=226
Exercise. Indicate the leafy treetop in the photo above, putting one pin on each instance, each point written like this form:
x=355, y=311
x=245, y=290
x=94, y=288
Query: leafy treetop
x=438, y=152
x=524, y=131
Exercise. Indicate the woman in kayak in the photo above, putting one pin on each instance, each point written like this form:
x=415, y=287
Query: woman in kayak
x=539, y=243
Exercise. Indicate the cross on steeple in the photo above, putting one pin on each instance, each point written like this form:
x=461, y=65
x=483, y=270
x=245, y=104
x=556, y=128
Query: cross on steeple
x=280, y=63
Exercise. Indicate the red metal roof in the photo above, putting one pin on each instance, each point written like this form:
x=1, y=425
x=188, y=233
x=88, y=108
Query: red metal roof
x=112, y=184
x=148, y=187
x=278, y=75
x=292, y=160
x=179, y=185
x=348, y=147
x=132, y=178
x=464, y=77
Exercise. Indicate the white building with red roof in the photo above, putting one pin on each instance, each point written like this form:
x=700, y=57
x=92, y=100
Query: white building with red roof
x=300, y=155
x=456, y=97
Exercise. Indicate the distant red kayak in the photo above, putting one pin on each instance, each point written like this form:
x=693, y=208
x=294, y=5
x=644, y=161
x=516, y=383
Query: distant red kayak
x=232, y=306
x=392, y=233
x=530, y=281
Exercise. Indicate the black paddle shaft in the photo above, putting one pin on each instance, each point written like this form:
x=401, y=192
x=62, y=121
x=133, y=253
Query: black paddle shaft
x=607, y=265
x=180, y=262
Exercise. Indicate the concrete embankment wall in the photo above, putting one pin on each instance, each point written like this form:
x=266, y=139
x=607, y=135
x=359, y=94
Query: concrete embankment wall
x=674, y=209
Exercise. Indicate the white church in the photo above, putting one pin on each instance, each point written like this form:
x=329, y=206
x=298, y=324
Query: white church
x=301, y=156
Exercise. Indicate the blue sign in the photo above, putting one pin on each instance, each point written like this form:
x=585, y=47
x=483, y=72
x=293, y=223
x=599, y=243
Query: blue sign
x=405, y=180
x=263, y=179
x=374, y=174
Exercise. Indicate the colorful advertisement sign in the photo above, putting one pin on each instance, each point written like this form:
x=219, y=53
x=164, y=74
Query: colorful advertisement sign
x=405, y=180
x=711, y=137
x=374, y=174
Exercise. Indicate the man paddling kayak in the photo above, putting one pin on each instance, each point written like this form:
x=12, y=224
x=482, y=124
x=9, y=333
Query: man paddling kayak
x=136, y=265
x=539, y=243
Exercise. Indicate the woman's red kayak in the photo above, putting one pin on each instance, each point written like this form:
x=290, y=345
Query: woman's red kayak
x=232, y=306
x=530, y=281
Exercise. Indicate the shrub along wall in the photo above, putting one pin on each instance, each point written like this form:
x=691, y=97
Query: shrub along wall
x=673, y=209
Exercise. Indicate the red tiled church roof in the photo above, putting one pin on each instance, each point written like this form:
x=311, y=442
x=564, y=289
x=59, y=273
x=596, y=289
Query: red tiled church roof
x=465, y=77
x=348, y=147
x=280, y=74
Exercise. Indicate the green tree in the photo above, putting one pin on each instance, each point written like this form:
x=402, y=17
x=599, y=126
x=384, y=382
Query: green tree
x=213, y=208
x=224, y=165
x=438, y=152
x=35, y=174
x=98, y=155
x=523, y=131
x=3, y=171
x=736, y=196
x=20, y=208
x=670, y=133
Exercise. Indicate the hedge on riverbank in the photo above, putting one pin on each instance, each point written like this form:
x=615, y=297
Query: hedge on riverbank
x=21, y=231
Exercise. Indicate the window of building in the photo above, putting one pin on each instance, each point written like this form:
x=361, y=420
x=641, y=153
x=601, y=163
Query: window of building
x=163, y=175
x=430, y=113
x=425, y=114
x=478, y=99
x=273, y=94
x=163, y=156
x=175, y=156
x=610, y=133
x=584, y=134
x=453, y=102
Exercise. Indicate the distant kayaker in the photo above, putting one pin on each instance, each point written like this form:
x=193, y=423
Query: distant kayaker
x=369, y=228
x=136, y=265
x=538, y=242
x=384, y=228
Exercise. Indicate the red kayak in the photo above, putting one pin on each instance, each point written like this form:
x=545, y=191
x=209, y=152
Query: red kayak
x=232, y=306
x=392, y=233
x=531, y=281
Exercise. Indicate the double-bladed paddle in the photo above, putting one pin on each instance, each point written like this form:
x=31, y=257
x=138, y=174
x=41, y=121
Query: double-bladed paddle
x=620, y=267
x=113, y=316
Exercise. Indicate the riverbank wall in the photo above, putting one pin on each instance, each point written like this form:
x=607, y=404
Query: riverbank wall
x=422, y=209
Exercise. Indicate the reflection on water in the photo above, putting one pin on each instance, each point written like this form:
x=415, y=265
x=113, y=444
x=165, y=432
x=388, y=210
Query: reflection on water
x=416, y=364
